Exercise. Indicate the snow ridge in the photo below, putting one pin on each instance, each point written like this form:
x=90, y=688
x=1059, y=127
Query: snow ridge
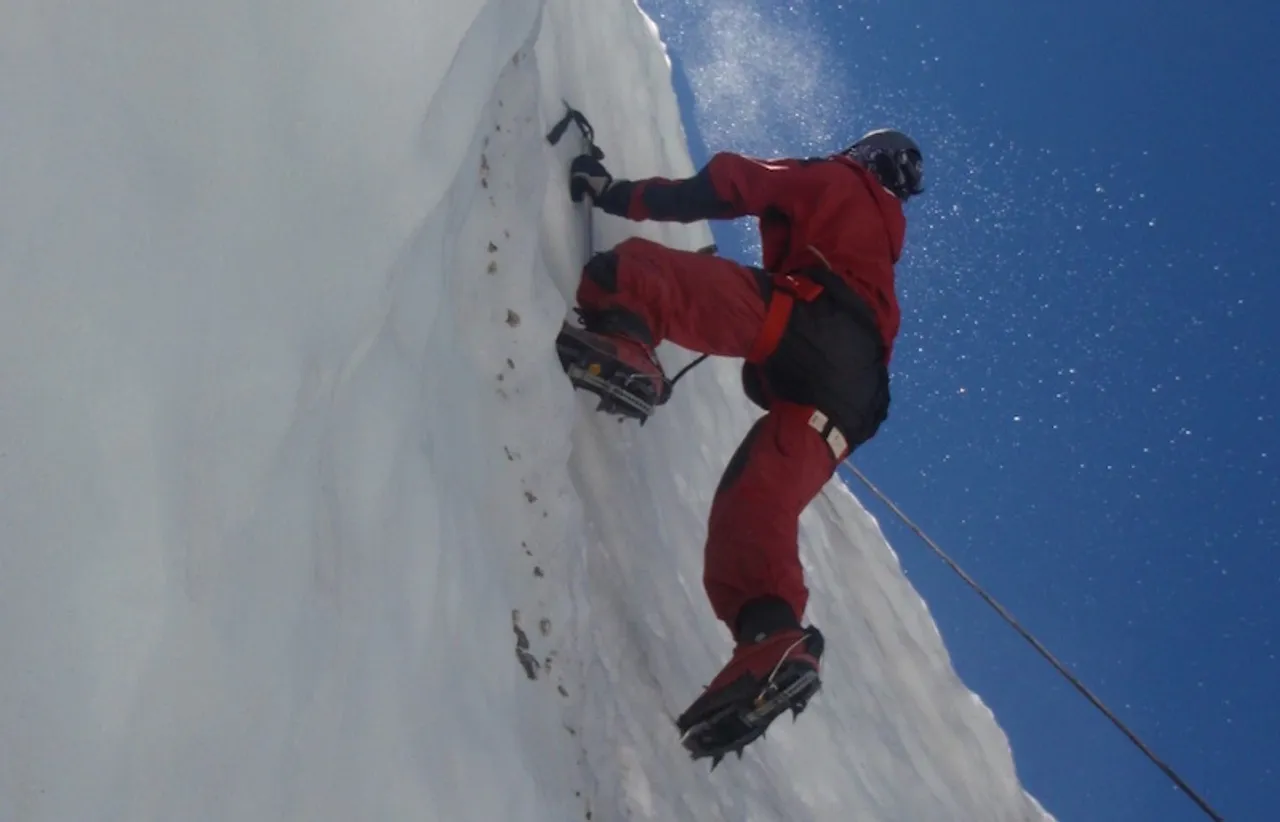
x=299, y=518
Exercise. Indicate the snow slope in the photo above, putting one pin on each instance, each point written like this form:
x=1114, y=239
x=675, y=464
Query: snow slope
x=299, y=518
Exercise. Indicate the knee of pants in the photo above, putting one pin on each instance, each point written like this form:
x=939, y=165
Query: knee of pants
x=602, y=271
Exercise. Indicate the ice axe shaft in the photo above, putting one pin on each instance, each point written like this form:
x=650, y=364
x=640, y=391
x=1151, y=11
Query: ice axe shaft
x=574, y=117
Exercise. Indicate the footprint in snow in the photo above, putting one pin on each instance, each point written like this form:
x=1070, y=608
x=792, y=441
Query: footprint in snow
x=527, y=660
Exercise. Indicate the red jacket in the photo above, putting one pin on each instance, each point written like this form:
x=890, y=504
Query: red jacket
x=827, y=212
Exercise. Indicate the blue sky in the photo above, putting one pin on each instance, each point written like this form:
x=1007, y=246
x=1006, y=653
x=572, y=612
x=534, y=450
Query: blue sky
x=1086, y=382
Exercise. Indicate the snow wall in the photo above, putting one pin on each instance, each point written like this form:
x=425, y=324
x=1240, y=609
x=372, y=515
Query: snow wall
x=299, y=518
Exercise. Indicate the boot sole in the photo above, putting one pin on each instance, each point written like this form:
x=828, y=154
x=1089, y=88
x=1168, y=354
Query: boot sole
x=599, y=372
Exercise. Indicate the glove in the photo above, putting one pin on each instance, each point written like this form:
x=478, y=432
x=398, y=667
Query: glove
x=587, y=175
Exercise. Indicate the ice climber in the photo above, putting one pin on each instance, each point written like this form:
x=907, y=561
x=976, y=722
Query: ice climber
x=815, y=325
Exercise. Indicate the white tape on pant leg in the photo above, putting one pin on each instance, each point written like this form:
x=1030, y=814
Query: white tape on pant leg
x=821, y=423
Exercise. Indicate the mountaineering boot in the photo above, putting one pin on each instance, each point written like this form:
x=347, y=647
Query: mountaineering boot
x=774, y=669
x=610, y=358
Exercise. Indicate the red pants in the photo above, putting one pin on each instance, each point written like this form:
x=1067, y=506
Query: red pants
x=712, y=305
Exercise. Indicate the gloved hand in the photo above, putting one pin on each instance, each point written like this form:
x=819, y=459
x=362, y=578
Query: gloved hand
x=587, y=175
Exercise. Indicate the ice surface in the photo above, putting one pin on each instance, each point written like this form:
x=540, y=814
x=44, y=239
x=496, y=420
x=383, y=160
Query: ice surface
x=299, y=518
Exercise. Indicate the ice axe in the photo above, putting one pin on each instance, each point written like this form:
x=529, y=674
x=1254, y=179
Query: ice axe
x=573, y=117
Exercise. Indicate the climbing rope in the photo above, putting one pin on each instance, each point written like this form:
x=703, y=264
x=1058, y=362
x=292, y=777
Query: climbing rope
x=1043, y=651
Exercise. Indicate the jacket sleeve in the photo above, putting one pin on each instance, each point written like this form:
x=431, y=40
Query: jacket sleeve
x=727, y=187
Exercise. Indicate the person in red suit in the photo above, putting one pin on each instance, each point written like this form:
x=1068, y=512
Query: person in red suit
x=815, y=326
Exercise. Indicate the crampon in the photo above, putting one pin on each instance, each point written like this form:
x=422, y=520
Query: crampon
x=726, y=721
x=621, y=388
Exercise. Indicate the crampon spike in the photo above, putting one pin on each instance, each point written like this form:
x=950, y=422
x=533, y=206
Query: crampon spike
x=741, y=717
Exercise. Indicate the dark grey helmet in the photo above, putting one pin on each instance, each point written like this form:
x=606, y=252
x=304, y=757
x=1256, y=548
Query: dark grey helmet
x=894, y=158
